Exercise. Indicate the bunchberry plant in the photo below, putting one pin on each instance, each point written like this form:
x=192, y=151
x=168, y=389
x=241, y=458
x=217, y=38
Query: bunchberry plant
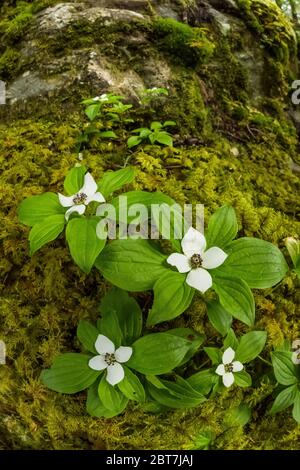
x=123, y=361
x=155, y=134
x=102, y=111
x=50, y=213
x=229, y=363
x=233, y=268
x=118, y=358
x=287, y=374
x=151, y=95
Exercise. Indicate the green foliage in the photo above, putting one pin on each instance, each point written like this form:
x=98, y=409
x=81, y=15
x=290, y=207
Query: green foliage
x=187, y=44
x=131, y=264
x=83, y=242
x=236, y=297
x=155, y=134
x=286, y=373
x=158, y=353
x=219, y=317
x=8, y=63
x=171, y=285
x=178, y=394
x=222, y=227
x=257, y=262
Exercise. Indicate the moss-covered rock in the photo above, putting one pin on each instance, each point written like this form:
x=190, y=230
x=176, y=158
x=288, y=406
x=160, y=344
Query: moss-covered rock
x=233, y=145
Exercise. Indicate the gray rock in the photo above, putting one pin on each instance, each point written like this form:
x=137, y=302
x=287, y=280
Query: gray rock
x=64, y=14
x=31, y=84
x=167, y=11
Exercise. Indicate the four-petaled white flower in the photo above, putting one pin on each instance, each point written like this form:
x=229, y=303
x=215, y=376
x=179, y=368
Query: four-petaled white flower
x=196, y=260
x=109, y=358
x=296, y=351
x=79, y=201
x=102, y=98
x=228, y=367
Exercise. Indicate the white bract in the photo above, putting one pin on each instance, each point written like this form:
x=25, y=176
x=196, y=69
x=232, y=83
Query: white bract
x=101, y=98
x=79, y=201
x=109, y=358
x=229, y=366
x=196, y=260
x=296, y=351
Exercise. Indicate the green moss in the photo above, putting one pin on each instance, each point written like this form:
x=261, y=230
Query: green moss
x=186, y=44
x=16, y=19
x=8, y=63
x=276, y=33
x=45, y=296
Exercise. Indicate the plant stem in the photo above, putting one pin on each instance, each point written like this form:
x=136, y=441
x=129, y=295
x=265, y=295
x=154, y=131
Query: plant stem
x=265, y=361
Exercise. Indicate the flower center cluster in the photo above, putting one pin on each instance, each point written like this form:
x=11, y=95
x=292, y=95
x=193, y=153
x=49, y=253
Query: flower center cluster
x=110, y=359
x=79, y=198
x=196, y=261
x=228, y=367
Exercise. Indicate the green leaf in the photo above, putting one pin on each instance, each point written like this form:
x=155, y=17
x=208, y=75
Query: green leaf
x=214, y=354
x=230, y=341
x=155, y=125
x=222, y=227
x=144, y=133
x=203, y=381
x=83, y=242
x=126, y=202
x=133, y=141
x=257, y=262
x=236, y=297
x=250, y=346
x=108, y=134
x=133, y=265
x=163, y=138
x=242, y=379
x=142, y=197
x=238, y=416
x=169, y=123
x=194, y=338
x=74, y=180
x=112, y=398
x=45, y=231
x=220, y=319
x=131, y=386
x=284, y=369
x=172, y=296
x=35, y=209
x=296, y=407
x=109, y=326
x=95, y=407
x=177, y=394
x=293, y=247
x=284, y=399
x=128, y=312
x=157, y=353
x=93, y=111
x=170, y=223
x=87, y=335
x=70, y=373
x=114, y=180
x=202, y=441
